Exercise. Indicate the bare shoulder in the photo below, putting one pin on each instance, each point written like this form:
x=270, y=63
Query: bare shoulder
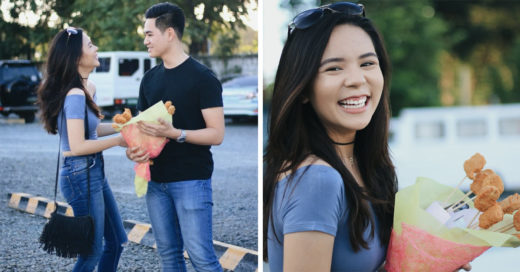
x=310, y=160
x=313, y=160
x=91, y=87
x=76, y=91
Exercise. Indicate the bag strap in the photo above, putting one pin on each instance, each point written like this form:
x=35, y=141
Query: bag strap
x=58, y=165
x=58, y=161
x=86, y=158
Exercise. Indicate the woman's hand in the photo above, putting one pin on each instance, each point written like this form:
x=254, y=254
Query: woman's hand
x=122, y=142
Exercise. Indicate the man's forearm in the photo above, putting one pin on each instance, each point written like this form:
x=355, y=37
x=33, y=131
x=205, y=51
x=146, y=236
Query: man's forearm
x=205, y=136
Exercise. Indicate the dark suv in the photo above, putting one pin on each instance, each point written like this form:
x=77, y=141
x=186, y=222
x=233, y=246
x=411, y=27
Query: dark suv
x=19, y=80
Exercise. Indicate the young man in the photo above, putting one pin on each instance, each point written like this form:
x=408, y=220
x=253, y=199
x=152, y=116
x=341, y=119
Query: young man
x=179, y=197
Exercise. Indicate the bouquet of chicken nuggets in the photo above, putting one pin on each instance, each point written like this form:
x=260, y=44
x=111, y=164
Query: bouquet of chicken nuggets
x=439, y=228
x=134, y=137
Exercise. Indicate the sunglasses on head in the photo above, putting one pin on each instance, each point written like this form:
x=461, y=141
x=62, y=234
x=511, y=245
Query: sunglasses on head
x=71, y=31
x=310, y=17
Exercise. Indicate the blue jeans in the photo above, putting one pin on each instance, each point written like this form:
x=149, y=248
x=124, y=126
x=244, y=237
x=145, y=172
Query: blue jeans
x=103, y=209
x=180, y=213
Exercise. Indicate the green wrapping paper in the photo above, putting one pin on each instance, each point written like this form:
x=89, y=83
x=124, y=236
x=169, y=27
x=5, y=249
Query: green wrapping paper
x=419, y=242
x=411, y=204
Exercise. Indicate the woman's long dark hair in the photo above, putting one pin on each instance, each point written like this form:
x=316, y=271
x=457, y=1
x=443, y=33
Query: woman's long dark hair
x=295, y=132
x=61, y=76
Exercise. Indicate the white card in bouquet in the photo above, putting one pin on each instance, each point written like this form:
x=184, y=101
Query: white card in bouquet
x=461, y=218
x=437, y=211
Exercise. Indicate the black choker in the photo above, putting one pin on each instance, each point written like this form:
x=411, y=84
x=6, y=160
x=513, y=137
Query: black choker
x=349, y=143
x=84, y=78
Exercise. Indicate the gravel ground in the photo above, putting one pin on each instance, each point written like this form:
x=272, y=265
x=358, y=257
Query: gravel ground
x=28, y=163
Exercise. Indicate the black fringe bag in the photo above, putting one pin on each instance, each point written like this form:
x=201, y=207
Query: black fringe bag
x=68, y=236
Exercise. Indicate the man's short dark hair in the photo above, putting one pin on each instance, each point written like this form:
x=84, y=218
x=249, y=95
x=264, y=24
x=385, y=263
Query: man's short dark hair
x=167, y=15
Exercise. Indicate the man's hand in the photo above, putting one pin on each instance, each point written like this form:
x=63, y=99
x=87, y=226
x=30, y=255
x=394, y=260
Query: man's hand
x=163, y=129
x=137, y=155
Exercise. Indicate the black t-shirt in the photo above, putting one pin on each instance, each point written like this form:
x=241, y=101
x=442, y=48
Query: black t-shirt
x=191, y=87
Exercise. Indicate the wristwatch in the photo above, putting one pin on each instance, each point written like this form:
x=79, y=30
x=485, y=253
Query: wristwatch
x=182, y=137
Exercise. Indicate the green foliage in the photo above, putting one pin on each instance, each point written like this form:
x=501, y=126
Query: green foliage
x=227, y=44
x=414, y=41
x=114, y=24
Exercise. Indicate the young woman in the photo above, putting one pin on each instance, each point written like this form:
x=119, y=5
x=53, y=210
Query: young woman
x=329, y=183
x=64, y=97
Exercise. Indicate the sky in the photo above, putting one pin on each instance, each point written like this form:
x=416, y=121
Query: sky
x=275, y=21
x=274, y=31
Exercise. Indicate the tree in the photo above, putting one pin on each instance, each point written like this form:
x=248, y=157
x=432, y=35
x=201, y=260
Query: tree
x=485, y=43
x=113, y=24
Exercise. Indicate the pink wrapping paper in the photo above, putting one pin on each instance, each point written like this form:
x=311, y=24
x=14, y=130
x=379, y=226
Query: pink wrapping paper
x=418, y=250
x=153, y=145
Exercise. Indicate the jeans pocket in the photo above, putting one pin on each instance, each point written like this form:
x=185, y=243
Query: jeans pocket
x=202, y=197
x=79, y=166
x=68, y=189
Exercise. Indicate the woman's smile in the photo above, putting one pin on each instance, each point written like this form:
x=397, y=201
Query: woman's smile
x=354, y=104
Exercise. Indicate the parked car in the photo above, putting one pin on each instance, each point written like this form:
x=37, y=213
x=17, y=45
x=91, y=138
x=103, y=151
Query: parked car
x=435, y=142
x=19, y=80
x=240, y=96
x=118, y=78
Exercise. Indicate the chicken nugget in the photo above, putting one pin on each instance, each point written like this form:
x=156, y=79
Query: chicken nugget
x=171, y=110
x=476, y=185
x=493, y=180
x=486, y=198
x=511, y=203
x=474, y=164
x=516, y=221
x=167, y=104
x=490, y=217
x=127, y=114
x=115, y=126
x=118, y=118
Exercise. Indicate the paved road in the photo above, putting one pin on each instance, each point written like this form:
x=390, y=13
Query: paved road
x=27, y=164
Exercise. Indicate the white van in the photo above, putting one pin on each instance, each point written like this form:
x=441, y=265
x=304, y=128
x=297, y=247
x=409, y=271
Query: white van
x=435, y=142
x=118, y=78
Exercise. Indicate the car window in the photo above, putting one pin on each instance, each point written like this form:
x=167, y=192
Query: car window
x=104, y=65
x=127, y=67
x=242, y=81
x=429, y=130
x=471, y=128
x=509, y=126
x=147, y=64
x=9, y=73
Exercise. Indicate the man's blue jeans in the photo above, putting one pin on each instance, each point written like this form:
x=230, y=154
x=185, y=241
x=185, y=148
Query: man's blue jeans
x=103, y=209
x=180, y=213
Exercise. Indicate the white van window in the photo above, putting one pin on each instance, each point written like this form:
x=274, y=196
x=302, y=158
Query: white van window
x=104, y=65
x=127, y=67
x=472, y=128
x=147, y=64
x=429, y=130
x=509, y=126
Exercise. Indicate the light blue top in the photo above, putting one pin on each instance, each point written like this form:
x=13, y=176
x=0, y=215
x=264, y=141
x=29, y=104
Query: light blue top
x=315, y=201
x=74, y=107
